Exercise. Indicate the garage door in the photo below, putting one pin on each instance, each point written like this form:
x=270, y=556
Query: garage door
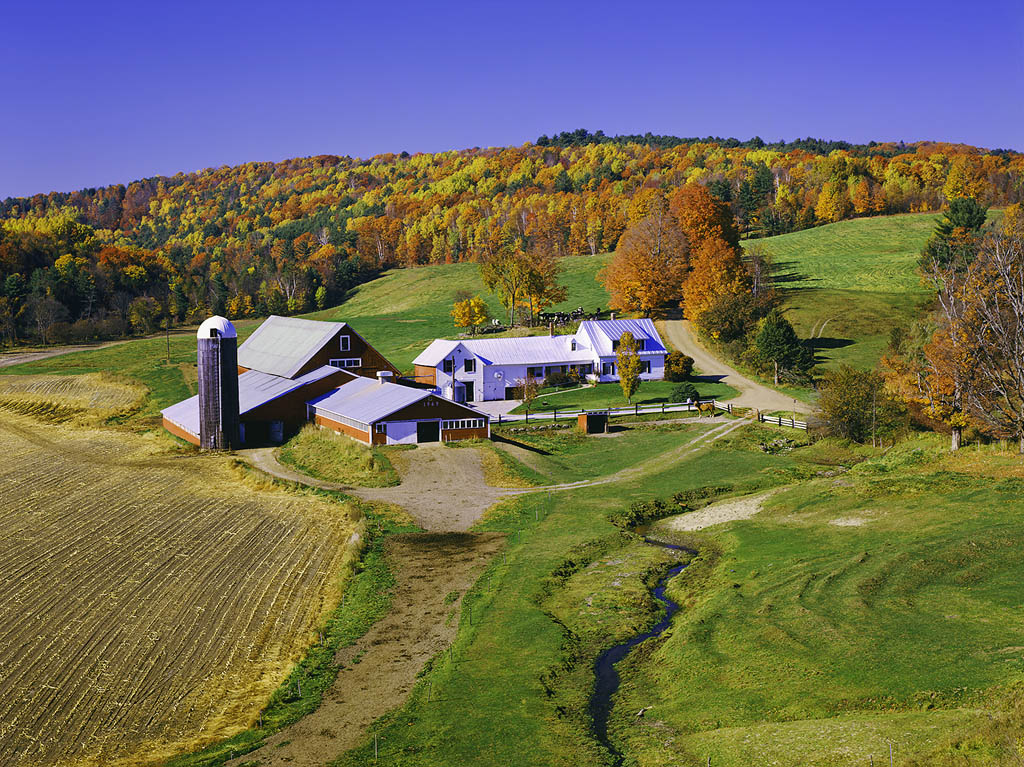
x=428, y=431
x=402, y=433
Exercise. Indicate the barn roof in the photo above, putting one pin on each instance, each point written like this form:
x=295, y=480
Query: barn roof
x=368, y=400
x=282, y=345
x=255, y=388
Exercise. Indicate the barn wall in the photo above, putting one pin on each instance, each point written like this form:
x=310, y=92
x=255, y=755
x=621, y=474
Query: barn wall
x=440, y=409
x=373, y=360
x=362, y=436
x=453, y=435
x=177, y=431
x=291, y=407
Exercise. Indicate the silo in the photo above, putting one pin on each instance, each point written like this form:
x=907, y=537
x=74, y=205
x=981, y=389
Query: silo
x=218, y=385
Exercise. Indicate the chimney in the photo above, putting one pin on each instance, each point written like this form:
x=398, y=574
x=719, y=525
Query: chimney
x=551, y=328
x=383, y=376
x=611, y=316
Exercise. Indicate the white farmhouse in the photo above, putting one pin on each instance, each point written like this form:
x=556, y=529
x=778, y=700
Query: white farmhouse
x=491, y=368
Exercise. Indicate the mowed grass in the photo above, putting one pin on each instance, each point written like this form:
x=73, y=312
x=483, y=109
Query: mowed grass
x=401, y=312
x=610, y=395
x=882, y=608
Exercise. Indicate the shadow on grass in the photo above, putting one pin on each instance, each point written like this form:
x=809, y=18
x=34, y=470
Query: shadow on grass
x=499, y=438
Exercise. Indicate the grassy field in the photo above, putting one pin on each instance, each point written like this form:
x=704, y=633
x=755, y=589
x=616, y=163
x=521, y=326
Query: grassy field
x=149, y=603
x=847, y=615
x=610, y=395
x=333, y=457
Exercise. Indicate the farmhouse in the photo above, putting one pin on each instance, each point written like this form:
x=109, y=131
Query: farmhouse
x=490, y=369
x=285, y=373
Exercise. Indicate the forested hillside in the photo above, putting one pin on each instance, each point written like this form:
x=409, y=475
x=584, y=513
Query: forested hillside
x=294, y=236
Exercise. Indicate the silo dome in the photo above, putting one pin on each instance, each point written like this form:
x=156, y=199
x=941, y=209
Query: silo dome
x=222, y=326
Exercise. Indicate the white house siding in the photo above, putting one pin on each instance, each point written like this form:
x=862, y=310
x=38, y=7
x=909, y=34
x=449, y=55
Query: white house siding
x=401, y=432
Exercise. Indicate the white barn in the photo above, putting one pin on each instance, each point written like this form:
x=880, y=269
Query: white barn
x=490, y=368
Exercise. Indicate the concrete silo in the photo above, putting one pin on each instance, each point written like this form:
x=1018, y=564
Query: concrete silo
x=218, y=385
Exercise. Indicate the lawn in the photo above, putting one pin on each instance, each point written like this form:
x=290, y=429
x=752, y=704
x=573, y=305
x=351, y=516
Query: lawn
x=610, y=395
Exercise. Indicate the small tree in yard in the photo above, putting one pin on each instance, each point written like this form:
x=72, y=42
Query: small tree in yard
x=471, y=313
x=684, y=392
x=629, y=363
x=678, y=367
x=855, y=404
x=529, y=389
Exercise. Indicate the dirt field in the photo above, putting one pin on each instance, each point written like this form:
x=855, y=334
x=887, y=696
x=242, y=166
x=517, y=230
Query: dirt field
x=378, y=672
x=91, y=397
x=147, y=603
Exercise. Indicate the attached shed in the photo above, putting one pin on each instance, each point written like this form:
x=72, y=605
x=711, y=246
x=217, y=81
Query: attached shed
x=381, y=413
x=270, y=407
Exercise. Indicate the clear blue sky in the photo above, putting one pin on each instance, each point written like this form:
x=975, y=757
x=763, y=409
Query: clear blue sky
x=100, y=93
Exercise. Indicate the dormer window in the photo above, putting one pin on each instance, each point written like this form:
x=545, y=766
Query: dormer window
x=572, y=344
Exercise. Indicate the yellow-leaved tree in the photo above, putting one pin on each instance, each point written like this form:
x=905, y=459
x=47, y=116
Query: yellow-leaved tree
x=716, y=270
x=471, y=313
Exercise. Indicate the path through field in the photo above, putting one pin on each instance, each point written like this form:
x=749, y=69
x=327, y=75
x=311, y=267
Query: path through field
x=148, y=604
x=379, y=671
x=679, y=334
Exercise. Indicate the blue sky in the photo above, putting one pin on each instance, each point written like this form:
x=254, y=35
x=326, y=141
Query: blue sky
x=95, y=94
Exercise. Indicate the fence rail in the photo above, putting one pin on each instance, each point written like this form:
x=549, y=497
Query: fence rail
x=638, y=410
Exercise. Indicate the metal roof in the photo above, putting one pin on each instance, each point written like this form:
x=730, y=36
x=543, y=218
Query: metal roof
x=603, y=332
x=368, y=400
x=282, y=345
x=254, y=389
x=524, y=350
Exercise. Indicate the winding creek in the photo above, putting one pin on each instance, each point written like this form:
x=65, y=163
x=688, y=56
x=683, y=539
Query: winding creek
x=607, y=677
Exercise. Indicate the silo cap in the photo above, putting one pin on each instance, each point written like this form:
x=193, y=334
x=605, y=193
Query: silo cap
x=222, y=326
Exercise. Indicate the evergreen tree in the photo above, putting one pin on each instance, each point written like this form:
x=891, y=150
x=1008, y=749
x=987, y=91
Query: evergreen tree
x=778, y=347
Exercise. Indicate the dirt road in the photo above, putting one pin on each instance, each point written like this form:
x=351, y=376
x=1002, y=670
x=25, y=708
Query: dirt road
x=378, y=672
x=680, y=335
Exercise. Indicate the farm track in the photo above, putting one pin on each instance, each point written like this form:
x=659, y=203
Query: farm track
x=147, y=604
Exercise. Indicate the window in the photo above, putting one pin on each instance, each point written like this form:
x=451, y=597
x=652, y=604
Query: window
x=572, y=344
x=380, y=428
x=351, y=362
x=608, y=368
x=640, y=344
x=346, y=343
x=448, y=366
x=537, y=372
x=615, y=345
x=465, y=423
x=470, y=366
x=645, y=366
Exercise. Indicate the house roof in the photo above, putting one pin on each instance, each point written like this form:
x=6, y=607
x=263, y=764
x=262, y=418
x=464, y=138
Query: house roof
x=524, y=350
x=282, y=345
x=603, y=332
x=255, y=388
x=367, y=400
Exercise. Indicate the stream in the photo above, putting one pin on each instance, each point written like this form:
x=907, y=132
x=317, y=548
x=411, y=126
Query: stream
x=604, y=667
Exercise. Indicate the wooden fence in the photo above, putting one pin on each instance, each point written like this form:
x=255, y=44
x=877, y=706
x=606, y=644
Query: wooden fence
x=638, y=410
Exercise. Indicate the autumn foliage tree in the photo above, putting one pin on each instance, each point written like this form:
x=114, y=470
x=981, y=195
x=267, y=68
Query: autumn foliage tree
x=650, y=264
x=471, y=313
x=628, y=363
x=717, y=271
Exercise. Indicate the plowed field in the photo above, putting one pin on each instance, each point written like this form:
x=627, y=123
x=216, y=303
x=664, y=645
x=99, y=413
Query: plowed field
x=147, y=603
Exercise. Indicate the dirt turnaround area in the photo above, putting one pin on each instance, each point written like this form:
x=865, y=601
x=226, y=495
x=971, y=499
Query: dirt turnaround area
x=379, y=671
x=149, y=603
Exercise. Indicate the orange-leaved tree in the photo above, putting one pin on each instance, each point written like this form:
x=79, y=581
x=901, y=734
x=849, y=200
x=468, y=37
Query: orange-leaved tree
x=649, y=265
x=716, y=270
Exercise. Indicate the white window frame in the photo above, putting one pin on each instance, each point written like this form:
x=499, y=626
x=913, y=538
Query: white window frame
x=346, y=362
x=469, y=365
x=463, y=423
x=380, y=427
x=346, y=343
x=645, y=366
x=448, y=364
x=607, y=368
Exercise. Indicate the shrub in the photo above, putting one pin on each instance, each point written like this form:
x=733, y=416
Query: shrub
x=683, y=392
x=561, y=379
x=678, y=367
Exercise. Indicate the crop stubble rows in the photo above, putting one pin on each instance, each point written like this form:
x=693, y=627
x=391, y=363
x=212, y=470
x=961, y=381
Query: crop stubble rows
x=146, y=603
